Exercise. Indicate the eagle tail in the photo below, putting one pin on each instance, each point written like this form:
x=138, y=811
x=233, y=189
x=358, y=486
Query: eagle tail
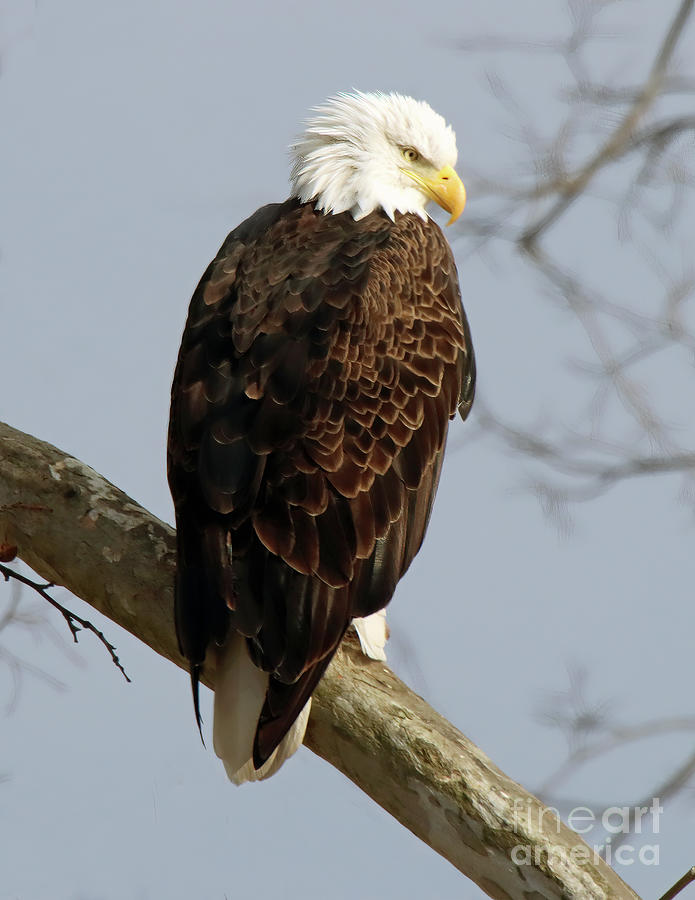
x=240, y=693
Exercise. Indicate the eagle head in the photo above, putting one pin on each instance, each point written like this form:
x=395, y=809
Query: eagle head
x=362, y=152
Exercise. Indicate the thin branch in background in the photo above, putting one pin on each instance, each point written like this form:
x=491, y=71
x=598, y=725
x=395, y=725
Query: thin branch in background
x=589, y=460
x=612, y=737
x=75, y=623
x=17, y=666
x=624, y=342
x=599, y=94
x=590, y=735
x=670, y=787
x=570, y=711
x=620, y=141
x=680, y=885
x=580, y=302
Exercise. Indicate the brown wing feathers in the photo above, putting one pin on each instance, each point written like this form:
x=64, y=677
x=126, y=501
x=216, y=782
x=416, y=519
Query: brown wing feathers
x=321, y=362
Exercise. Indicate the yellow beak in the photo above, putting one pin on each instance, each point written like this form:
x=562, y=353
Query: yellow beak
x=445, y=188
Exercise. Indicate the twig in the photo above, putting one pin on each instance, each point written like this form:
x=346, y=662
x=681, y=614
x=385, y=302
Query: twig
x=616, y=737
x=620, y=139
x=661, y=132
x=668, y=788
x=75, y=623
x=599, y=475
x=582, y=305
x=683, y=882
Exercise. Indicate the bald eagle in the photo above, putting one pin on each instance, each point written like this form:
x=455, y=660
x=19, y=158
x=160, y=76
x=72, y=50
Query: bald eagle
x=325, y=351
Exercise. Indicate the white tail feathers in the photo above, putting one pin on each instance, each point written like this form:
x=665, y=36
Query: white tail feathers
x=288, y=745
x=240, y=689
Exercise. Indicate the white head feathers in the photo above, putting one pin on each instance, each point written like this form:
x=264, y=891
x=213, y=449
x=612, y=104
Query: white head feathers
x=351, y=155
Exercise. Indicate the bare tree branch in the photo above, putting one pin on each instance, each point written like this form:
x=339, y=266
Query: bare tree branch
x=575, y=457
x=74, y=622
x=682, y=883
x=76, y=529
x=591, y=734
x=16, y=616
x=619, y=142
x=623, y=341
x=614, y=737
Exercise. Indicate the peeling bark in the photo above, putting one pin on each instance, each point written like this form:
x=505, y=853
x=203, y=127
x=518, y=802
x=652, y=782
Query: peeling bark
x=76, y=529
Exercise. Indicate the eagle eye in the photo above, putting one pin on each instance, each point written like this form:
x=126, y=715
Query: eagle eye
x=410, y=154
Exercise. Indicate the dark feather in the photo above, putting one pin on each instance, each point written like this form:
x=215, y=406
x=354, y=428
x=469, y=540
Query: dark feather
x=321, y=361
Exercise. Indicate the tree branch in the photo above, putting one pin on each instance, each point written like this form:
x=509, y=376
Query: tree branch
x=620, y=140
x=74, y=622
x=682, y=883
x=647, y=194
x=76, y=529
